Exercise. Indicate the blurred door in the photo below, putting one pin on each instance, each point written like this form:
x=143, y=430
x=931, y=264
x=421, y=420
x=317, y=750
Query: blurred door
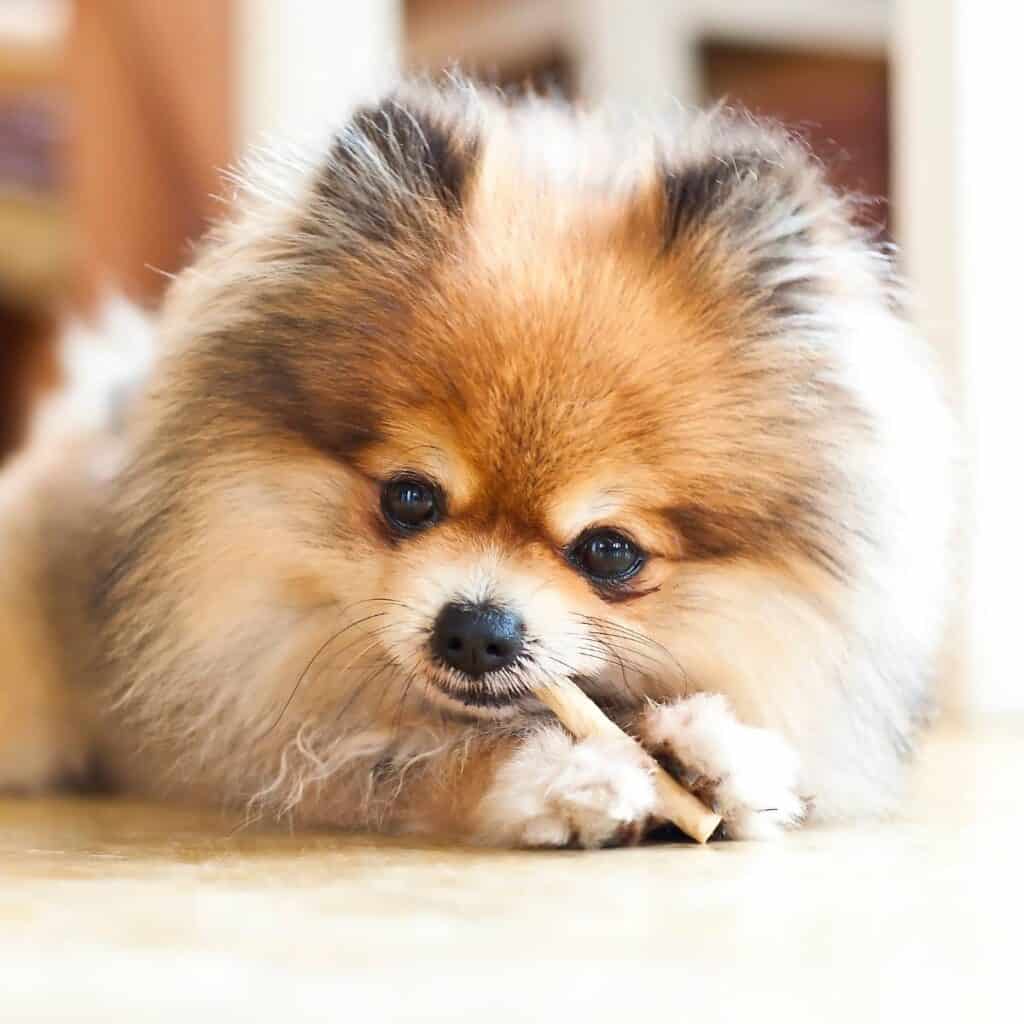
x=152, y=122
x=839, y=102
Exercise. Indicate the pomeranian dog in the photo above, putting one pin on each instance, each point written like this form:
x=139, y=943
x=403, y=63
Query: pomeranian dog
x=481, y=395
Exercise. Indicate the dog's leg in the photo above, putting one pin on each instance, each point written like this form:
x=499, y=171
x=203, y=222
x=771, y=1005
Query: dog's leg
x=746, y=775
x=42, y=738
x=40, y=742
x=551, y=790
x=536, y=787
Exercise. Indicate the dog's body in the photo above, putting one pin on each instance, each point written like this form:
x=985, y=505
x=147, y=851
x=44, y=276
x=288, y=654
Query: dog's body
x=474, y=400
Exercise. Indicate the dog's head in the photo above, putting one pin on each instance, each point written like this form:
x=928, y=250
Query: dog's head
x=492, y=395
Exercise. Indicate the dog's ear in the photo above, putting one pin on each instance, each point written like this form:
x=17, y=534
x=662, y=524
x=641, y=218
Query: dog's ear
x=402, y=166
x=752, y=208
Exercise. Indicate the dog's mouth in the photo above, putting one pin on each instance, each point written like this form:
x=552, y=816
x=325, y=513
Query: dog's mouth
x=477, y=696
x=508, y=693
x=483, y=698
x=503, y=694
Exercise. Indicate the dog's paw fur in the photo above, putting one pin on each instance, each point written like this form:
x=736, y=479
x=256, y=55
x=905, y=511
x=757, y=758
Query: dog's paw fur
x=555, y=791
x=747, y=775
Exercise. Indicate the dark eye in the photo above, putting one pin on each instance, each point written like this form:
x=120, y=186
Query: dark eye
x=409, y=503
x=607, y=556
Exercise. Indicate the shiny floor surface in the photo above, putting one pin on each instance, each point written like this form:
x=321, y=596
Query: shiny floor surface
x=114, y=911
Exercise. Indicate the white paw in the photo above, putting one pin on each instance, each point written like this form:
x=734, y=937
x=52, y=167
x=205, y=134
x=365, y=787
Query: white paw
x=554, y=791
x=747, y=775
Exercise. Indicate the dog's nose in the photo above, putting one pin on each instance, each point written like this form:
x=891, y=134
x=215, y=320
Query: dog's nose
x=477, y=638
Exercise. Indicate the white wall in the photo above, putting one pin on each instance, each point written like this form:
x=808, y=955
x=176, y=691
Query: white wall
x=989, y=79
x=959, y=85
x=302, y=63
x=633, y=55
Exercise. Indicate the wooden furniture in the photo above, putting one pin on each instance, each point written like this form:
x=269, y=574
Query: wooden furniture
x=34, y=258
x=152, y=122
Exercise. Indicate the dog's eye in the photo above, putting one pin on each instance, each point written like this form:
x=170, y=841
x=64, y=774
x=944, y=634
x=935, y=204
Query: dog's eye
x=607, y=556
x=409, y=503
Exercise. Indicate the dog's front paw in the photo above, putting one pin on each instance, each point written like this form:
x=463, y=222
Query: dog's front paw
x=746, y=775
x=554, y=791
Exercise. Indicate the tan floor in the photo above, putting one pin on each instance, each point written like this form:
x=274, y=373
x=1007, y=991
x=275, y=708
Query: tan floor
x=121, y=912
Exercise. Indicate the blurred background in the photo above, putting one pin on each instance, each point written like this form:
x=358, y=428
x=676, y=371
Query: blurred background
x=115, y=116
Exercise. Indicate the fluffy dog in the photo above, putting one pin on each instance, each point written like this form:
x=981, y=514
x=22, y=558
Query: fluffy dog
x=480, y=395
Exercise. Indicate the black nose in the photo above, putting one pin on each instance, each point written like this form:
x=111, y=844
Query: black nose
x=477, y=638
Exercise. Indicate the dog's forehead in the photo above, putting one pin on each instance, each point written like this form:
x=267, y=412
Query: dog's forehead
x=527, y=411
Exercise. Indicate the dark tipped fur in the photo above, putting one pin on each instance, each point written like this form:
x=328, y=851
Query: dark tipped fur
x=725, y=201
x=424, y=161
x=696, y=195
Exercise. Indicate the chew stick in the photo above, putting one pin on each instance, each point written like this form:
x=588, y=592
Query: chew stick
x=583, y=718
